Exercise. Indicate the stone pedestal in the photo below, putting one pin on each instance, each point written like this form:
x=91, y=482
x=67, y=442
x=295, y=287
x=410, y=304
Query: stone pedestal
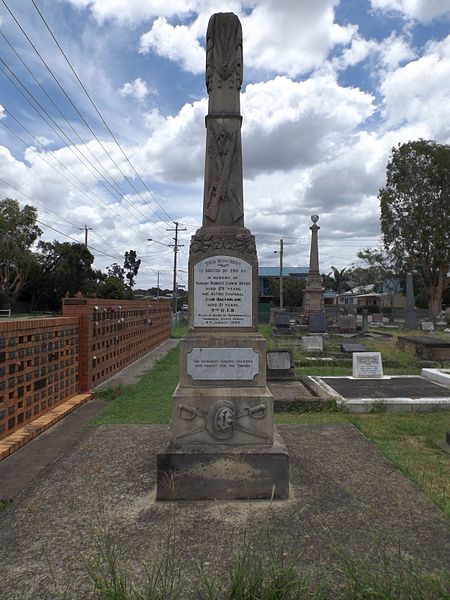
x=225, y=472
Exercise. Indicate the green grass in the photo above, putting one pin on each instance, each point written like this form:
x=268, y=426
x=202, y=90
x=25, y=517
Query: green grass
x=409, y=442
x=147, y=401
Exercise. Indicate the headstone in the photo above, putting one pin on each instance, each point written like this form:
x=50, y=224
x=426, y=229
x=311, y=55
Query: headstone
x=282, y=321
x=280, y=364
x=350, y=348
x=427, y=326
x=312, y=343
x=365, y=321
x=223, y=445
x=410, y=312
x=367, y=365
x=376, y=318
x=317, y=323
x=347, y=323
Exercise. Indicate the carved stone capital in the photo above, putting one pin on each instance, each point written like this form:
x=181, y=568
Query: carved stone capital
x=242, y=243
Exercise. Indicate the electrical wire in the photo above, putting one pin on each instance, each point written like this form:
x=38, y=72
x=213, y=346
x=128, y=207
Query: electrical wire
x=95, y=106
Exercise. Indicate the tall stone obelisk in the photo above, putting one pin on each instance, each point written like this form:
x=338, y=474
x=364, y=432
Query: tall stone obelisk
x=313, y=300
x=223, y=444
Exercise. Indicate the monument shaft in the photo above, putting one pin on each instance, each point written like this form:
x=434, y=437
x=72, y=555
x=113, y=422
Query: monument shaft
x=223, y=443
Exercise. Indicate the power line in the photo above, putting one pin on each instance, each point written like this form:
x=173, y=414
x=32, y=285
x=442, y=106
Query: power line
x=120, y=194
x=80, y=115
x=95, y=107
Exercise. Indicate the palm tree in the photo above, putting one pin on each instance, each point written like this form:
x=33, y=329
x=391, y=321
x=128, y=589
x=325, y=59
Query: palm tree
x=340, y=279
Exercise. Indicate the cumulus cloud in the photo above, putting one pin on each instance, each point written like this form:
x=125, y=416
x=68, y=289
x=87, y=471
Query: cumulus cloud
x=420, y=10
x=134, y=11
x=177, y=43
x=2, y=112
x=308, y=29
x=136, y=89
x=418, y=93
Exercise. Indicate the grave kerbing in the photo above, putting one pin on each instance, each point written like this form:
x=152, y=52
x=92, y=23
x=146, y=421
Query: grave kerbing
x=223, y=444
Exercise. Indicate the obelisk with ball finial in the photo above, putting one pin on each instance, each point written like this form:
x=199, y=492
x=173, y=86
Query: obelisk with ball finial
x=223, y=444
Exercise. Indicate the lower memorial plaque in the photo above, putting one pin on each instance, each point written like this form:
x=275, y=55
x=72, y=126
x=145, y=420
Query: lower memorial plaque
x=222, y=363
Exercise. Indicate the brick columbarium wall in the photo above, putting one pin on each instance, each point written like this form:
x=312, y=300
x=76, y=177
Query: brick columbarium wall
x=115, y=333
x=44, y=362
x=39, y=364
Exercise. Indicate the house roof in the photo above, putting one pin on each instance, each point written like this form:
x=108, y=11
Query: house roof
x=275, y=271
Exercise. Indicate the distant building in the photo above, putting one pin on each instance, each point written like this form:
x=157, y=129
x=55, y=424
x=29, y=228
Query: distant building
x=366, y=297
x=266, y=273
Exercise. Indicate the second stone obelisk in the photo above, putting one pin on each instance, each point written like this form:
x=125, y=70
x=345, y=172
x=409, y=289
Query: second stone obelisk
x=223, y=444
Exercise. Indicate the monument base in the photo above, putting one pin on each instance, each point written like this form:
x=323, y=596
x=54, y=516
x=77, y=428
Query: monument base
x=219, y=472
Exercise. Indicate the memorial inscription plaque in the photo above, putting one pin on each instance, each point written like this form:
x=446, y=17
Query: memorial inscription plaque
x=223, y=292
x=222, y=363
x=367, y=364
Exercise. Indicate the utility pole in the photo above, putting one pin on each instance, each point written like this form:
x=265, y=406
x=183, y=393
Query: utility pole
x=281, y=273
x=175, y=247
x=280, y=252
x=157, y=286
x=85, y=229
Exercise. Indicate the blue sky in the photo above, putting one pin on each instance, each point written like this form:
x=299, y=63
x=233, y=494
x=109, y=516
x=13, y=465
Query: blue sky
x=330, y=86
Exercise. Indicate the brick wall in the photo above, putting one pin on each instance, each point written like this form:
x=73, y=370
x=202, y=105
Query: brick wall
x=38, y=368
x=115, y=333
x=43, y=362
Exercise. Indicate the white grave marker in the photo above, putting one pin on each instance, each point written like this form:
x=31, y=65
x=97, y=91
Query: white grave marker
x=367, y=365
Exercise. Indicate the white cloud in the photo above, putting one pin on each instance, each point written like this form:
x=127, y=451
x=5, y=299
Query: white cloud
x=134, y=11
x=176, y=43
x=420, y=10
x=136, y=89
x=308, y=34
x=418, y=95
x=394, y=51
x=292, y=37
x=2, y=112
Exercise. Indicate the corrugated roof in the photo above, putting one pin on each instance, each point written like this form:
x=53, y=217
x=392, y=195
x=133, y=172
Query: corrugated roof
x=275, y=271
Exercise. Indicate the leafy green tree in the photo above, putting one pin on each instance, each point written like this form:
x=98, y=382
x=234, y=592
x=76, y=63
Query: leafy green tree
x=115, y=270
x=61, y=269
x=293, y=288
x=18, y=233
x=131, y=266
x=415, y=213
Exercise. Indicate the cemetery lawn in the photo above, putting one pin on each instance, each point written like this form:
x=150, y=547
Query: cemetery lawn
x=409, y=441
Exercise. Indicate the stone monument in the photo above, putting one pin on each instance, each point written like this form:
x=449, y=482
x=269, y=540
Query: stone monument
x=410, y=312
x=223, y=444
x=313, y=302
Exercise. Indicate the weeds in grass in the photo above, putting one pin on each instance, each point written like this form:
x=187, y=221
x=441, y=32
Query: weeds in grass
x=261, y=570
x=4, y=503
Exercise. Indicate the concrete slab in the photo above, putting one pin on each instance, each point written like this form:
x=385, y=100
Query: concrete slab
x=407, y=393
x=343, y=494
x=288, y=395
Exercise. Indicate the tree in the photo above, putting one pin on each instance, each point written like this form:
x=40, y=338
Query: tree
x=131, y=266
x=61, y=269
x=415, y=213
x=339, y=279
x=18, y=232
x=115, y=270
x=292, y=290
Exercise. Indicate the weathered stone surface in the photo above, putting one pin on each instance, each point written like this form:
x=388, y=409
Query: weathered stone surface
x=280, y=364
x=223, y=472
x=220, y=364
x=317, y=323
x=367, y=364
x=349, y=348
x=222, y=415
x=312, y=343
x=427, y=326
x=347, y=323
